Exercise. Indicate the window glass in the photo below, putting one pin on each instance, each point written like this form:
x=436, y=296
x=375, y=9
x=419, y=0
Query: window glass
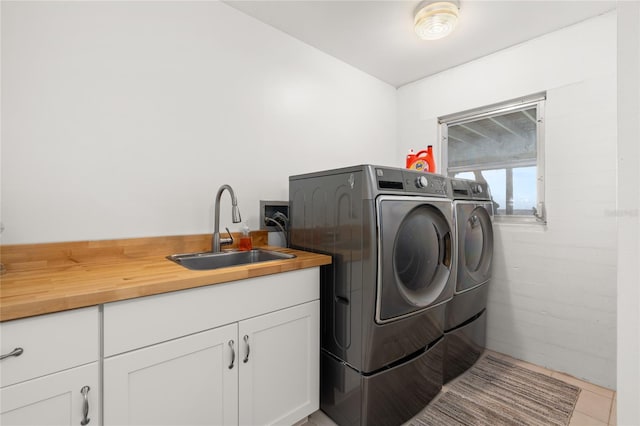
x=501, y=145
x=493, y=140
x=524, y=190
x=522, y=199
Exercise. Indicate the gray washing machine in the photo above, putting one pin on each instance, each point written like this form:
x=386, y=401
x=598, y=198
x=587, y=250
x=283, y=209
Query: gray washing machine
x=390, y=234
x=465, y=324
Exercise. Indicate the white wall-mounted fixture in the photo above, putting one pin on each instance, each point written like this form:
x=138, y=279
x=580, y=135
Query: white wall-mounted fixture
x=434, y=20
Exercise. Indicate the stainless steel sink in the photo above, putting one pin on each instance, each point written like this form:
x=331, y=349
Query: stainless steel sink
x=210, y=260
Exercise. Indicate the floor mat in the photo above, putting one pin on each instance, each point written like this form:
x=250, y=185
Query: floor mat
x=495, y=392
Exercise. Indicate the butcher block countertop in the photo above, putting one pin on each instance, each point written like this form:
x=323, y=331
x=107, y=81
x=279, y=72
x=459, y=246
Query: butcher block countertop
x=52, y=277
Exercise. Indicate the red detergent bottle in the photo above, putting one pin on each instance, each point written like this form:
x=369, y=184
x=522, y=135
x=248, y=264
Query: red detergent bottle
x=422, y=161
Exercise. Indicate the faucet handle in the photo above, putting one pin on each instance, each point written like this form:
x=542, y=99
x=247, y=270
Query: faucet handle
x=226, y=241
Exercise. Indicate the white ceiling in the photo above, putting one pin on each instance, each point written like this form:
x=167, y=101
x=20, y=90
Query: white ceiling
x=377, y=36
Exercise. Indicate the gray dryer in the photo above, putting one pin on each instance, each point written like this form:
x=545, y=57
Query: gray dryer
x=390, y=234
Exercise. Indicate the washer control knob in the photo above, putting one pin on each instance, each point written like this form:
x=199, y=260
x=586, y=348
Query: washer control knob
x=422, y=182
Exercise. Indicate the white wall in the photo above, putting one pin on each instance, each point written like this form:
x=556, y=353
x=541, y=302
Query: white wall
x=628, y=213
x=122, y=119
x=553, y=296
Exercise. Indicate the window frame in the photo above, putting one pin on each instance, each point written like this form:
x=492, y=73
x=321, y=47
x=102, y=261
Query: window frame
x=538, y=100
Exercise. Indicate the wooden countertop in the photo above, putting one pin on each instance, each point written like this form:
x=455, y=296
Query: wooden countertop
x=46, y=278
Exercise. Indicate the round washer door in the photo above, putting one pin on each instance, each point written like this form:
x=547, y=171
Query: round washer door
x=414, y=256
x=475, y=242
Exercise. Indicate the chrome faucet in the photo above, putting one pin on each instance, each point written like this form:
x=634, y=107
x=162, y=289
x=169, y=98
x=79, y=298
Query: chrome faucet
x=235, y=217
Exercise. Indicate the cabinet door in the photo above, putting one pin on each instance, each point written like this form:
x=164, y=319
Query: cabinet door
x=55, y=399
x=279, y=365
x=192, y=380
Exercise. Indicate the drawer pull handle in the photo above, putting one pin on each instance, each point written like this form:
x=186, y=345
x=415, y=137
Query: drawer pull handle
x=85, y=405
x=246, y=342
x=233, y=354
x=15, y=352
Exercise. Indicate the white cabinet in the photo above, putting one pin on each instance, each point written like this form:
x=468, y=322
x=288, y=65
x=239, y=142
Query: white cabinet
x=55, y=378
x=279, y=370
x=56, y=399
x=238, y=353
x=188, y=381
x=244, y=352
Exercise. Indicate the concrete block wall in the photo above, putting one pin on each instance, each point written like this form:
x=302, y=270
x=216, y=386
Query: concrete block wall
x=552, y=300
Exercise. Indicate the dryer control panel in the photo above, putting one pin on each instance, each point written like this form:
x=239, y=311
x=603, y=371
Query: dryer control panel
x=465, y=189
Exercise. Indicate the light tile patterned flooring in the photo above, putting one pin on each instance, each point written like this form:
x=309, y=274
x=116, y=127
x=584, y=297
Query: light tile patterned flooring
x=596, y=405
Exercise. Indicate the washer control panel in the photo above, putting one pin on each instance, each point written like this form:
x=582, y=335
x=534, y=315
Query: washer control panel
x=410, y=181
x=427, y=182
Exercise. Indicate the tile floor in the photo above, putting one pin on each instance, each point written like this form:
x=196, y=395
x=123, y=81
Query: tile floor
x=596, y=405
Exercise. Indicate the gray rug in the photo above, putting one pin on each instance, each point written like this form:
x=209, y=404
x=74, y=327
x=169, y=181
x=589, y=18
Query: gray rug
x=495, y=392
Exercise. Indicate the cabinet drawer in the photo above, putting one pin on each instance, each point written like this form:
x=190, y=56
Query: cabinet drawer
x=50, y=343
x=135, y=323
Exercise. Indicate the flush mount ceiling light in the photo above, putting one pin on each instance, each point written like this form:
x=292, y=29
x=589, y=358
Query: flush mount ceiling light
x=434, y=20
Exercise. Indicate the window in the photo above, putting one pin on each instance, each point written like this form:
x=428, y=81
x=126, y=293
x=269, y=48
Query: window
x=501, y=144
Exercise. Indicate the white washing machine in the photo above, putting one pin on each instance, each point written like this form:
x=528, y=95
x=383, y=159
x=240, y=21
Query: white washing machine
x=465, y=317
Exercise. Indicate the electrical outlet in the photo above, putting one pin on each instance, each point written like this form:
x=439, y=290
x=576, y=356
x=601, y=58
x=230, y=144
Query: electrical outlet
x=269, y=209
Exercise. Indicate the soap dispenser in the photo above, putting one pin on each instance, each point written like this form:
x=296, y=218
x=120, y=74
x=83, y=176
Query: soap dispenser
x=245, y=238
